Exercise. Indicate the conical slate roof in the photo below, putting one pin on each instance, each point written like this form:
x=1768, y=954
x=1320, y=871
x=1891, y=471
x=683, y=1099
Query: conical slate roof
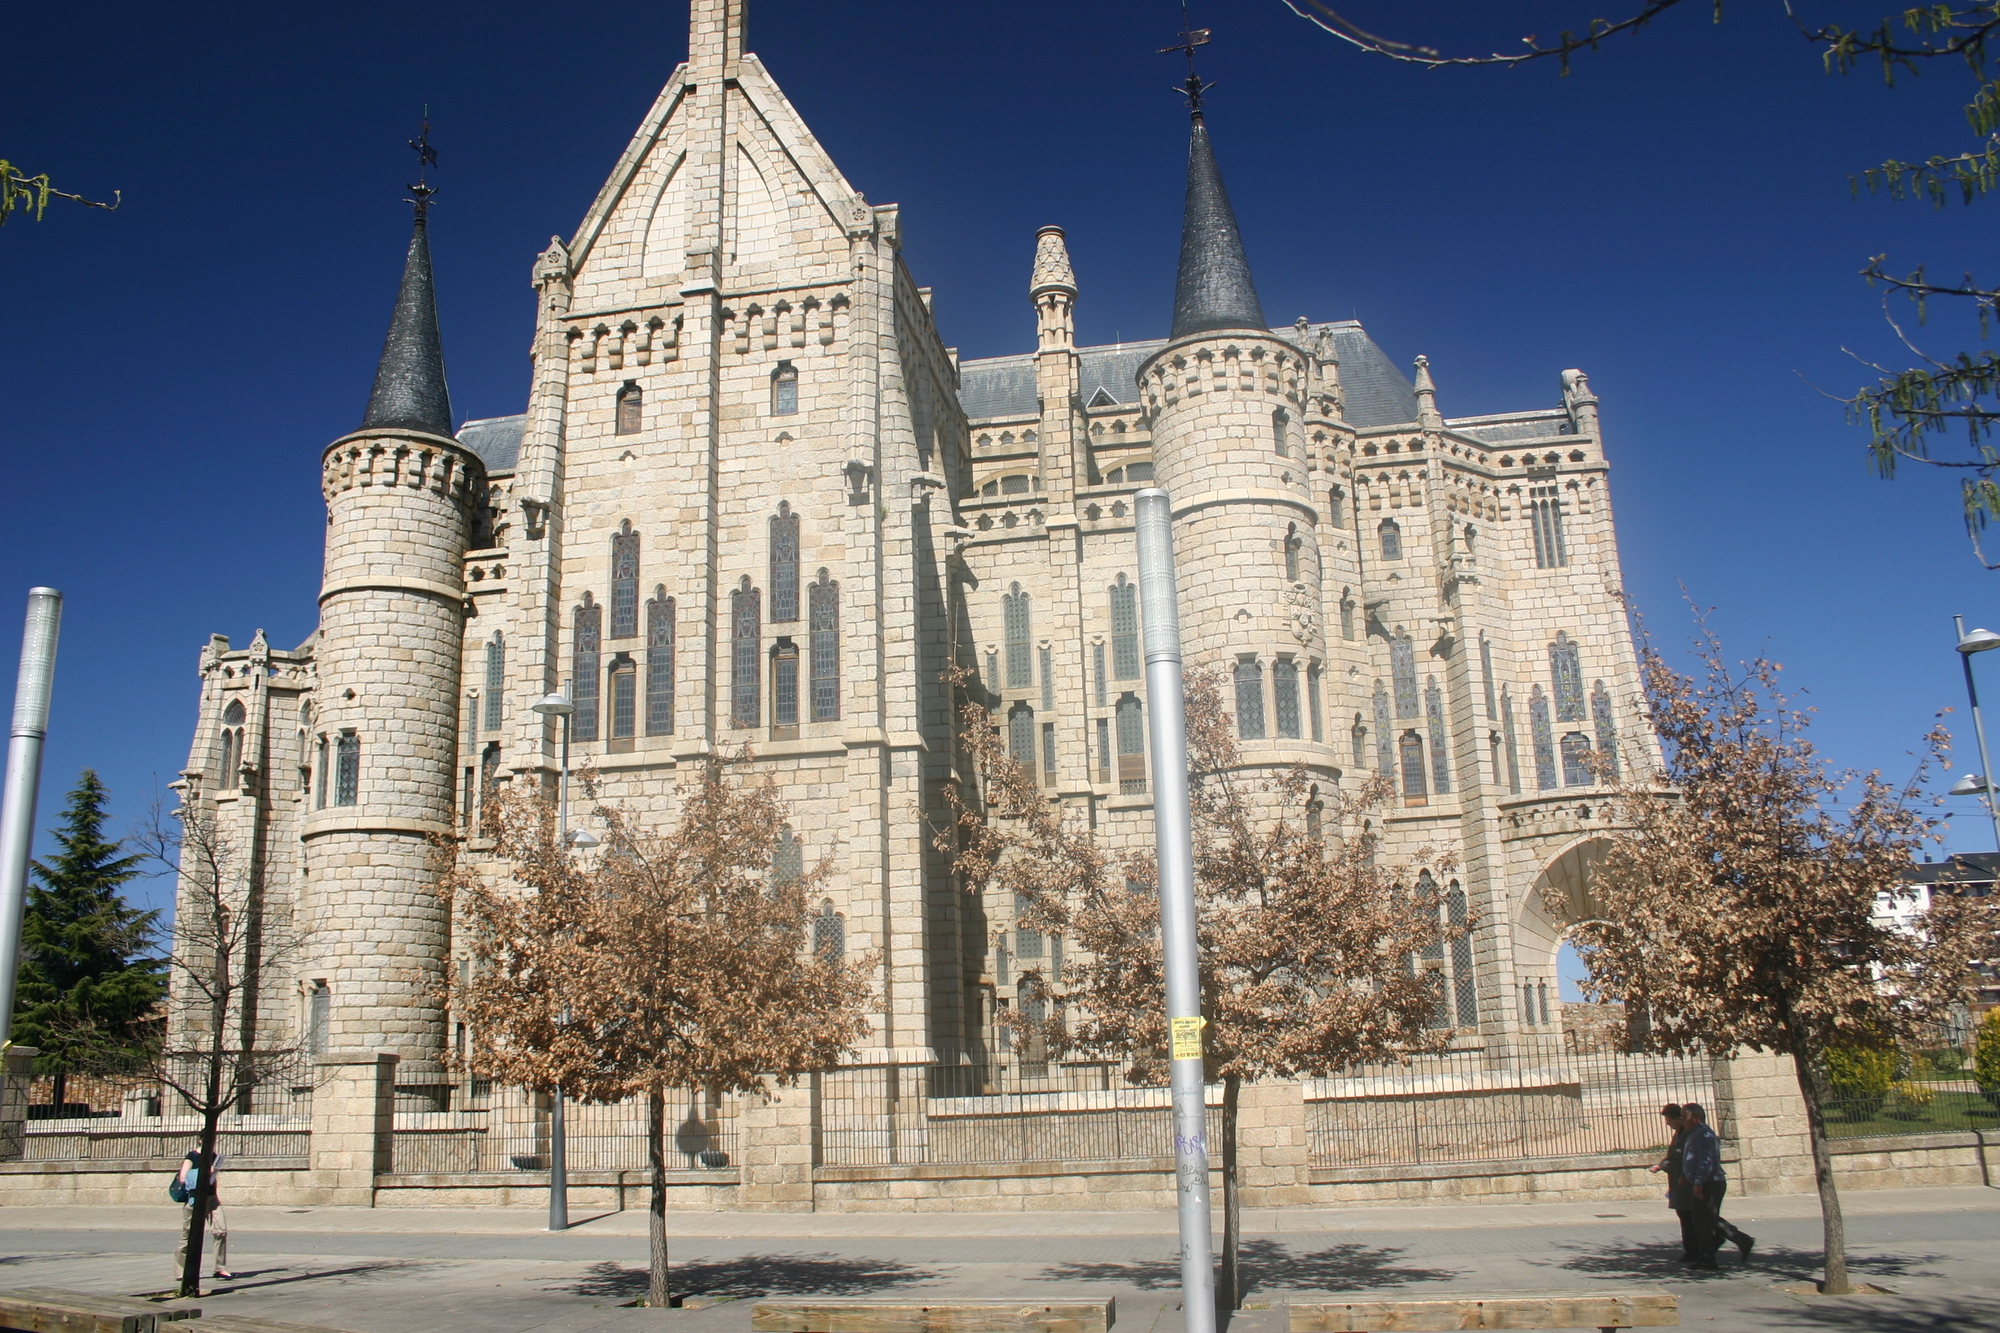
x=410, y=392
x=1214, y=290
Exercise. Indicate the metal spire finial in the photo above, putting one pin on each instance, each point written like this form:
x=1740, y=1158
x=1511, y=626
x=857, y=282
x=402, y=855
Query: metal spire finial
x=427, y=157
x=1194, y=87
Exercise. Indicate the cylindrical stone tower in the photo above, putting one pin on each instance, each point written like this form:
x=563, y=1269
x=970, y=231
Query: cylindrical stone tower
x=401, y=495
x=1229, y=401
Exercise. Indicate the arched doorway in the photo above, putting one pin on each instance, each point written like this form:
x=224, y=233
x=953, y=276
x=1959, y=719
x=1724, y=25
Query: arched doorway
x=1559, y=896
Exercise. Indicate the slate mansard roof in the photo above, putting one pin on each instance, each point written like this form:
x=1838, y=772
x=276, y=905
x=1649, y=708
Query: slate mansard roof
x=497, y=440
x=1378, y=394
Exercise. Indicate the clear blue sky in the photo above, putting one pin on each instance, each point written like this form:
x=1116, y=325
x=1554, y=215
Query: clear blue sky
x=1674, y=217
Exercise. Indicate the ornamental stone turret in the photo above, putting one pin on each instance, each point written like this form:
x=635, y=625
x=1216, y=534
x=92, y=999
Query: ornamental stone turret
x=401, y=495
x=1228, y=401
x=1065, y=447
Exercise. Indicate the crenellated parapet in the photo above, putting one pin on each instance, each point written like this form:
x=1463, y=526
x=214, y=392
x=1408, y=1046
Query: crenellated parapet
x=1238, y=365
x=407, y=460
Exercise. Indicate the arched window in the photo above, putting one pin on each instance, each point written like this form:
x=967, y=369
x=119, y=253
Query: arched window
x=1403, y=671
x=1100, y=675
x=1575, y=755
x=1045, y=656
x=745, y=634
x=1027, y=941
x=1021, y=738
x=588, y=634
x=1292, y=545
x=624, y=582
x=824, y=610
x=1410, y=749
x=1278, y=423
x=1312, y=701
x=1358, y=735
x=1465, y=992
x=1019, y=484
x=1440, y=751
x=1392, y=539
x=1566, y=669
x=305, y=725
x=1020, y=659
x=624, y=702
x=1511, y=740
x=784, y=564
x=319, y=1017
x=1486, y=674
x=1285, y=697
x=1336, y=508
x=1124, y=629
x=234, y=715
x=489, y=774
x=1434, y=955
x=347, y=769
x=788, y=859
x=659, y=663
x=1544, y=738
x=784, y=690
x=1250, y=699
x=1546, y=517
x=1385, y=739
x=230, y=765
x=1607, y=734
x=1131, y=746
x=784, y=390
x=1348, y=606
x=496, y=680
x=631, y=411
x=324, y=784
x=829, y=936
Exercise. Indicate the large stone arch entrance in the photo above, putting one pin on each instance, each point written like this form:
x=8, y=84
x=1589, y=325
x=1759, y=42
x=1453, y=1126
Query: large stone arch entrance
x=1564, y=885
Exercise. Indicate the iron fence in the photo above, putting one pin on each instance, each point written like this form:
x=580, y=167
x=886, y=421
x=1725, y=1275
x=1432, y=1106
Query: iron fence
x=509, y=1130
x=1506, y=1103
x=101, y=1118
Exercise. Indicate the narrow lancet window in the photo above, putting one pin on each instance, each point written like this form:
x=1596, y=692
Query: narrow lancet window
x=1607, y=733
x=1566, y=672
x=1021, y=738
x=746, y=633
x=784, y=390
x=1285, y=698
x=784, y=689
x=784, y=564
x=1131, y=746
x=824, y=646
x=1440, y=752
x=1403, y=670
x=829, y=936
x=1546, y=517
x=631, y=410
x=1410, y=750
x=1544, y=739
x=1020, y=657
x=1385, y=739
x=624, y=582
x=1124, y=630
x=624, y=700
x=1464, y=989
x=496, y=681
x=588, y=637
x=347, y=769
x=1392, y=539
x=659, y=663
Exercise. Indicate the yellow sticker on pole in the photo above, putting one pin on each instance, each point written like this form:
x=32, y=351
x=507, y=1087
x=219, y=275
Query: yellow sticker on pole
x=1187, y=1037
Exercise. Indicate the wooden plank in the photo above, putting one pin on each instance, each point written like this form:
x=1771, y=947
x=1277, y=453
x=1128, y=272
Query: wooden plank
x=1480, y=1310
x=861, y=1315
x=57, y=1310
x=237, y=1323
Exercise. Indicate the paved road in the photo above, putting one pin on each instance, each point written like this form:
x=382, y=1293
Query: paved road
x=1937, y=1251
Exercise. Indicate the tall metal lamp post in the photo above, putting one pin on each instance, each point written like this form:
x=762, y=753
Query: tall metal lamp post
x=559, y=705
x=1978, y=641
x=24, y=780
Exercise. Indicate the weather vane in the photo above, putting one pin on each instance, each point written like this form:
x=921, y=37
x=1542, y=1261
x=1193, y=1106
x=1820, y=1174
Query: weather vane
x=1191, y=37
x=427, y=157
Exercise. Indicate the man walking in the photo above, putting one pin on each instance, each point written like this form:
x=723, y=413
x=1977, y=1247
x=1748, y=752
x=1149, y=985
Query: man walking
x=1701, y=1160
x=1679, y=1197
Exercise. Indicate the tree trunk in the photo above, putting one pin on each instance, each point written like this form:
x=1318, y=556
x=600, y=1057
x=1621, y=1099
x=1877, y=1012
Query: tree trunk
x=60, y=1091
x=1811, y=1090
x=658, y=1295
x=203, y=1202
x=1229, y=1294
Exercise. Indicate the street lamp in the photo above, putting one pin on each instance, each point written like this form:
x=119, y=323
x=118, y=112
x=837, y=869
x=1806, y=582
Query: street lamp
x=558, y=705
x=1977, y=642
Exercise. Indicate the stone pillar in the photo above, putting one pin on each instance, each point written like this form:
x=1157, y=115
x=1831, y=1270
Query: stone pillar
x=1758, y=1112
x=14, y=1089
x=353, y=1121
x=1272, y=1163
x=774, y=1151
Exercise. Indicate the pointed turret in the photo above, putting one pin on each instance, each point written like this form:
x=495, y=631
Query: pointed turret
x=409, y=389
x=1052, y=287
x=1214, y=290
x=1427, y=401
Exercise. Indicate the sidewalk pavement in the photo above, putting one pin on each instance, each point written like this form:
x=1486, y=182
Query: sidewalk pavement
x=796, y=1226
x=426, y=1271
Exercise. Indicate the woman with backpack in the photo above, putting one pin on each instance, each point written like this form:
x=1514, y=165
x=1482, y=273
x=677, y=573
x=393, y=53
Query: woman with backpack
x=186, y=1182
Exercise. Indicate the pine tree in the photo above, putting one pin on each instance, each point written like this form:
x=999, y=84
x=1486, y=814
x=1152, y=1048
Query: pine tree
x=89, y=985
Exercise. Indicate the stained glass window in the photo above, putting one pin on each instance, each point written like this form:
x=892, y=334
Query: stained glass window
x=1124, y=630
x=1021, y=739
x=1440, y=750
x=784, y=390
x=1403, y=670
x=624, y=699
x=788, y=859
x=659, y=663
x=1576, y=768
x=1607, y=734
x=1131, y=746
x=1385, y=739
x=785, y=687
x=624, y=582
x=496, y=681
x=1411, y=750
x=631, y=411
x=1020, y=659
x=1392, y=539
x=1546, y=518
x=784, y=564
x=746, y=635
x=587, y=635
x=1566, y=668
x=1312, y=702
x=1285, y=697
x=1464, y=990
x=347, y=769
x=1544, y=739
x=824, y=646
x=829, y=936
x=1513, y=743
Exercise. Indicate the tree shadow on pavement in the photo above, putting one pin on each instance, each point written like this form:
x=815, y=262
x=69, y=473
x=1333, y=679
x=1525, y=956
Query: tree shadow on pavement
x=1268, y=1264
x=1901, y=1313
x=755, y=1275
x=1770, y=1263
x=385, y=1268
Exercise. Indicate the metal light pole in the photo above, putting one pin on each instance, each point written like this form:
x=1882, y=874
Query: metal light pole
x=559, y=705
x=1167, y=722
x=1978, y=642
x=24, y=780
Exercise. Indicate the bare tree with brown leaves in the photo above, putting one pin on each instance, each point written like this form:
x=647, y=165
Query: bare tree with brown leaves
x=668, y=961
x=218, y=1049
x=1739, y=902
x=1308, y=947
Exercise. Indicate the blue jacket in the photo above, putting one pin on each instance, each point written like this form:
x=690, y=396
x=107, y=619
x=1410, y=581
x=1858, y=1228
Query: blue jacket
x=1701, y=1158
